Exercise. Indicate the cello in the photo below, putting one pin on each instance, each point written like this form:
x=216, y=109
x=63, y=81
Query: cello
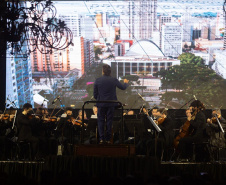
x=186, y=130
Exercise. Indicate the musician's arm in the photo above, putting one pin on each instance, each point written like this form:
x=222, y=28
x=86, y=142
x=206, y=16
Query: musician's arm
x=198, y=121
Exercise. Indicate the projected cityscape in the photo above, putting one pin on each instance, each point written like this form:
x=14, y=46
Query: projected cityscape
x=170, y=50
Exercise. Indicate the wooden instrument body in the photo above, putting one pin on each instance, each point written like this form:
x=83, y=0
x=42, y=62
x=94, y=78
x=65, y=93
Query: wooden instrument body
x=185, y=131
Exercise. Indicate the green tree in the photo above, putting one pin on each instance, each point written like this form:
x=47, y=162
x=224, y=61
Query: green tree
x=97, y=51
x=189, y=58
x=190, y=78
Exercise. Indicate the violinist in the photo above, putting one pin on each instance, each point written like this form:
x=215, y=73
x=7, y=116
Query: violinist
x=7, y=131
x=25, y=122
x=154, y=113
x=217, y=137
x=196, y=130
x=42, y=130
x=163, y=140
x=148, y=127
x=78, y=125
x=216, y=113
x=65, y=130
x=3, y=139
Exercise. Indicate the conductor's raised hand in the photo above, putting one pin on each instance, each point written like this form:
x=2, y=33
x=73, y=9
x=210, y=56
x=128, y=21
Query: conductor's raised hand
x=126, y=81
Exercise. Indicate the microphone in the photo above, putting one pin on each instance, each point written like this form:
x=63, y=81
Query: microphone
x=140, y=96
x=54, y=101
x=194, y=97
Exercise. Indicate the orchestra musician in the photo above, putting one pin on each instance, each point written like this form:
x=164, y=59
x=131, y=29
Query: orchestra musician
x=164, y=140
x=216, y=113
x=166, y=124
x=43, y=131
x=194, y=132
x=25, y=122
x=154, y=114
x=217, y=137
x=95, y=110
x=149, y=128
x=79, y=117
x=128, y=112
x=65, y=131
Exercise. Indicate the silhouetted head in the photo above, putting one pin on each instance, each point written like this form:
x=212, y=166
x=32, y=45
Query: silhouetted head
x=106, y=70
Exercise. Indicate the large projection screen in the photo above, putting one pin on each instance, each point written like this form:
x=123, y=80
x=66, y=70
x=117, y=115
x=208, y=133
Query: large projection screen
x=170, y=50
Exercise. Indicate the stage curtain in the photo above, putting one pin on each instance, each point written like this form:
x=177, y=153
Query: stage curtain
x=99, y=166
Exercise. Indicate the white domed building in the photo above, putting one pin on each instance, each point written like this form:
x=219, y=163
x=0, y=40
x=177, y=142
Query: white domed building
x=143, y=57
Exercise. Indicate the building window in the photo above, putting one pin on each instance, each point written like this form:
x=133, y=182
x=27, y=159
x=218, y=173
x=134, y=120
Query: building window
x=127, y=68
x=134, y=68
x=141, y=67
x=155, y=67
x=120, y=69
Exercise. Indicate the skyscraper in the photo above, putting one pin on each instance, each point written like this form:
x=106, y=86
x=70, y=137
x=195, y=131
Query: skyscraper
x=88, y=54
x=19, y=80
x=172, y=39
x=147, y=18
x=139, y=21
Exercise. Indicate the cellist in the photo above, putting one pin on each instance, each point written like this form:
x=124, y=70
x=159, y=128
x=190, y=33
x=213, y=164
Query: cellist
x=197, y=125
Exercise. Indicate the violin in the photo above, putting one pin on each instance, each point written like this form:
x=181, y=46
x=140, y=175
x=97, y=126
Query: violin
x=77, y=122
x=49, y=119
x=53, y=119
x=31, y=116
x=5, y=117
x=160, y=120
x=214, y=119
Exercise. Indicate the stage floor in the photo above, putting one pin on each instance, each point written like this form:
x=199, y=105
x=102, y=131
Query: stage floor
x=91, y=166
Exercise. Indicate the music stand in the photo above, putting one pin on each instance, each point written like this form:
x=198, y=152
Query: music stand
x=156, y=129
x=219, y=124
x=134, y=124
x=154, y=124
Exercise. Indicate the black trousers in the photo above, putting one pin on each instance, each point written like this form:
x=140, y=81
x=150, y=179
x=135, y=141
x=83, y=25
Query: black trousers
x=185, y=145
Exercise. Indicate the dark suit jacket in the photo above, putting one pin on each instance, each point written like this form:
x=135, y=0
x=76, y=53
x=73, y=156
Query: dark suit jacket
x=198, y=124
x=105, y=89
x=167, y=131
x=25, y=125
